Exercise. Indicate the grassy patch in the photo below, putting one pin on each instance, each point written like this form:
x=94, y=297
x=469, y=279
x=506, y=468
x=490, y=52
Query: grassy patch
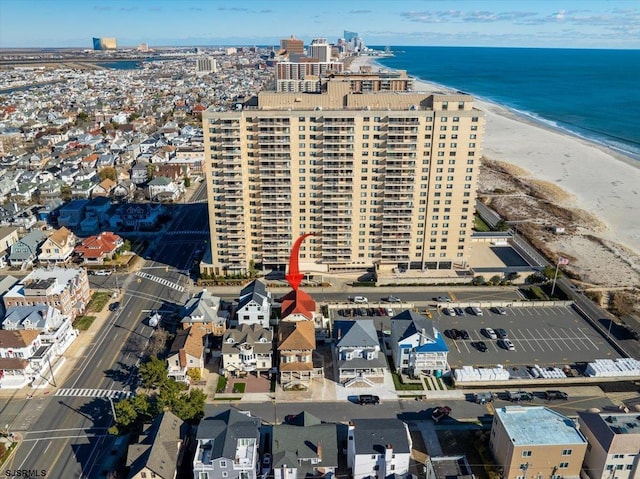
x=481, y=226
x=98, y=302
x=222, y=384
x=400, y=386
x=83, y=322
x=239, y=387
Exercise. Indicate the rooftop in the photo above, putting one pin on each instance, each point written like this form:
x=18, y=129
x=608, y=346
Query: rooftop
x=538, y=426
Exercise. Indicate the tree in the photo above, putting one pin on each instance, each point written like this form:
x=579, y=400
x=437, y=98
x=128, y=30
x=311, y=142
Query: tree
x=108, y=172
x=502, y=225
x=194, y=374
x=191, y=405
x=151, y=169
x=153, y=373
x=187, y=182
x=478, y=281
x=495, y=279
x=65, y=193
x=136, y=409
x=549, y=272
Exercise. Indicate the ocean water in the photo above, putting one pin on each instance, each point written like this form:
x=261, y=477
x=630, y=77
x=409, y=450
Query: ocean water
x=594, y=94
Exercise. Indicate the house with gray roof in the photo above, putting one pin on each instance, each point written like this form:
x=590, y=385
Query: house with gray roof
x=304, y=447
x=203, y=312
x=254, y=305
x=249, y=348
x=158, y=452
x=162, y=188
x=227, y=446
x=417, y=346
x=378, y=448
x=24, y=252
x=357, y=353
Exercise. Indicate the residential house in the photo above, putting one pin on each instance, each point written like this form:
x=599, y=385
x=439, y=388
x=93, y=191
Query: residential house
x=9, y=213
x=103, y=188
x=123, y=191
x=227, y=446
x=417, y=347
x=24, y=192
x=81, y=189
x=140, y=172
x=186, y=353
x=140, y=216
x=162, y=188
x=71, y=214
x=158, y=452
x=25, y=251
x=203, y=312
x=296, y=344
x=58, y=247
x=254, y=305
x=55, y=328
x=357, y=353
x=614, y=444
x=50, y=190
x=66, y=289
x=378, y=448
x=536, y=442
x=247, y=349
x=8, y=236
x=98, y=248
x=20, y=357
x=304, y=447
x=448, y=467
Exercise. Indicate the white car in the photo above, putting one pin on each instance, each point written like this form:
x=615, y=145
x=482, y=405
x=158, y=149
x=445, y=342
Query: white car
x=450, y=311
x=490, y=333
x=508, y=345
x=360, y=299
x=102, y=272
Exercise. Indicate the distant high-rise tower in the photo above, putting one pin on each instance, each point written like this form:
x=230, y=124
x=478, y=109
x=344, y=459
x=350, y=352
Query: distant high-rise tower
x=292, y=46
x=206, y=65
x=104, y=44
x=348, y=36
x=320, y=49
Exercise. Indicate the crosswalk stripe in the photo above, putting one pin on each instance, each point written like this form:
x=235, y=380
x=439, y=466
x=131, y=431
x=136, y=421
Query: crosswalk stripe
x=99, y=393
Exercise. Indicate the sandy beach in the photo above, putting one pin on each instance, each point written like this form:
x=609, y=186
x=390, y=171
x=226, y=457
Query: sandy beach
x=598, y=181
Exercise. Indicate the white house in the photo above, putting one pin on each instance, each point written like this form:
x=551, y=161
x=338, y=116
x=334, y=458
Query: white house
x=254, y=306
x=358, y=357
x=417, y=346
x=378, y=448
x=249, y=348
x=22, y=357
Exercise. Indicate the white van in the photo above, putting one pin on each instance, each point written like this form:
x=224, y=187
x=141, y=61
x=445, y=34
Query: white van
x=477, y=311
x=360, y=299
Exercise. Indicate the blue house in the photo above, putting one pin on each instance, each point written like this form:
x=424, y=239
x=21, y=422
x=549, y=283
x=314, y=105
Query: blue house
x=417, y=346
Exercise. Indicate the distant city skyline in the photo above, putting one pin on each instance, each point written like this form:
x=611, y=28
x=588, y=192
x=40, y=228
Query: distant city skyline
x=499, y=23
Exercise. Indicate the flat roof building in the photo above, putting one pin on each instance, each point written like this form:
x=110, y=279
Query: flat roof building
x=387, y=178
x=104, y=43
x=614, y=444
x=533, y=442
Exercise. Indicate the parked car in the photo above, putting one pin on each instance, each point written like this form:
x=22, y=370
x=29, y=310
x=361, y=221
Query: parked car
x=443, y=299
x=484, y=397
x=452, y=333
x=480, y=346
x=500, y=310
x=360, y=299
x=489, y=333
x=507, y=344
x=368, y=399
x=393, y=299
x=102, y=272
x=464, y=334
x=502, y=334
x=449, y=311
x=515, y=396
x=476, y=311
x=266, y=463
x=389, y=312
x=440, y=413
x=114, y=306
x=459, y=311
x=553, y=394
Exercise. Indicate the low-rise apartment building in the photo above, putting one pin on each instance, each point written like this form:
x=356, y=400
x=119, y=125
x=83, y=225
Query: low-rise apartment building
x=532, y=442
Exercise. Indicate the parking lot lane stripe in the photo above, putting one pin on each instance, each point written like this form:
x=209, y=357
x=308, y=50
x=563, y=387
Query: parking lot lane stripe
x=534, y=340
x=564, y=340
x=587, y=338
x=551, y=339
x=541, y=341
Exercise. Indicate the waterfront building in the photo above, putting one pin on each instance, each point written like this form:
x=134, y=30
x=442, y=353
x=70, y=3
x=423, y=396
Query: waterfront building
x=536, y=442
x=104, y=43
x=387, y=178
x=320, y=49
x=291, y=46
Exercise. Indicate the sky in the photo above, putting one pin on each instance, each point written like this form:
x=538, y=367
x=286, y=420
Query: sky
x=499, y=23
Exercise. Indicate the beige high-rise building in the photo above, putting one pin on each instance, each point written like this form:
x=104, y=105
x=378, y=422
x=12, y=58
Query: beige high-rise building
x=388, y=179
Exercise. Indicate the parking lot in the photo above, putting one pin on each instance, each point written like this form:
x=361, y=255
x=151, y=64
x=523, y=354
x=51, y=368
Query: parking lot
x=543, y=336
